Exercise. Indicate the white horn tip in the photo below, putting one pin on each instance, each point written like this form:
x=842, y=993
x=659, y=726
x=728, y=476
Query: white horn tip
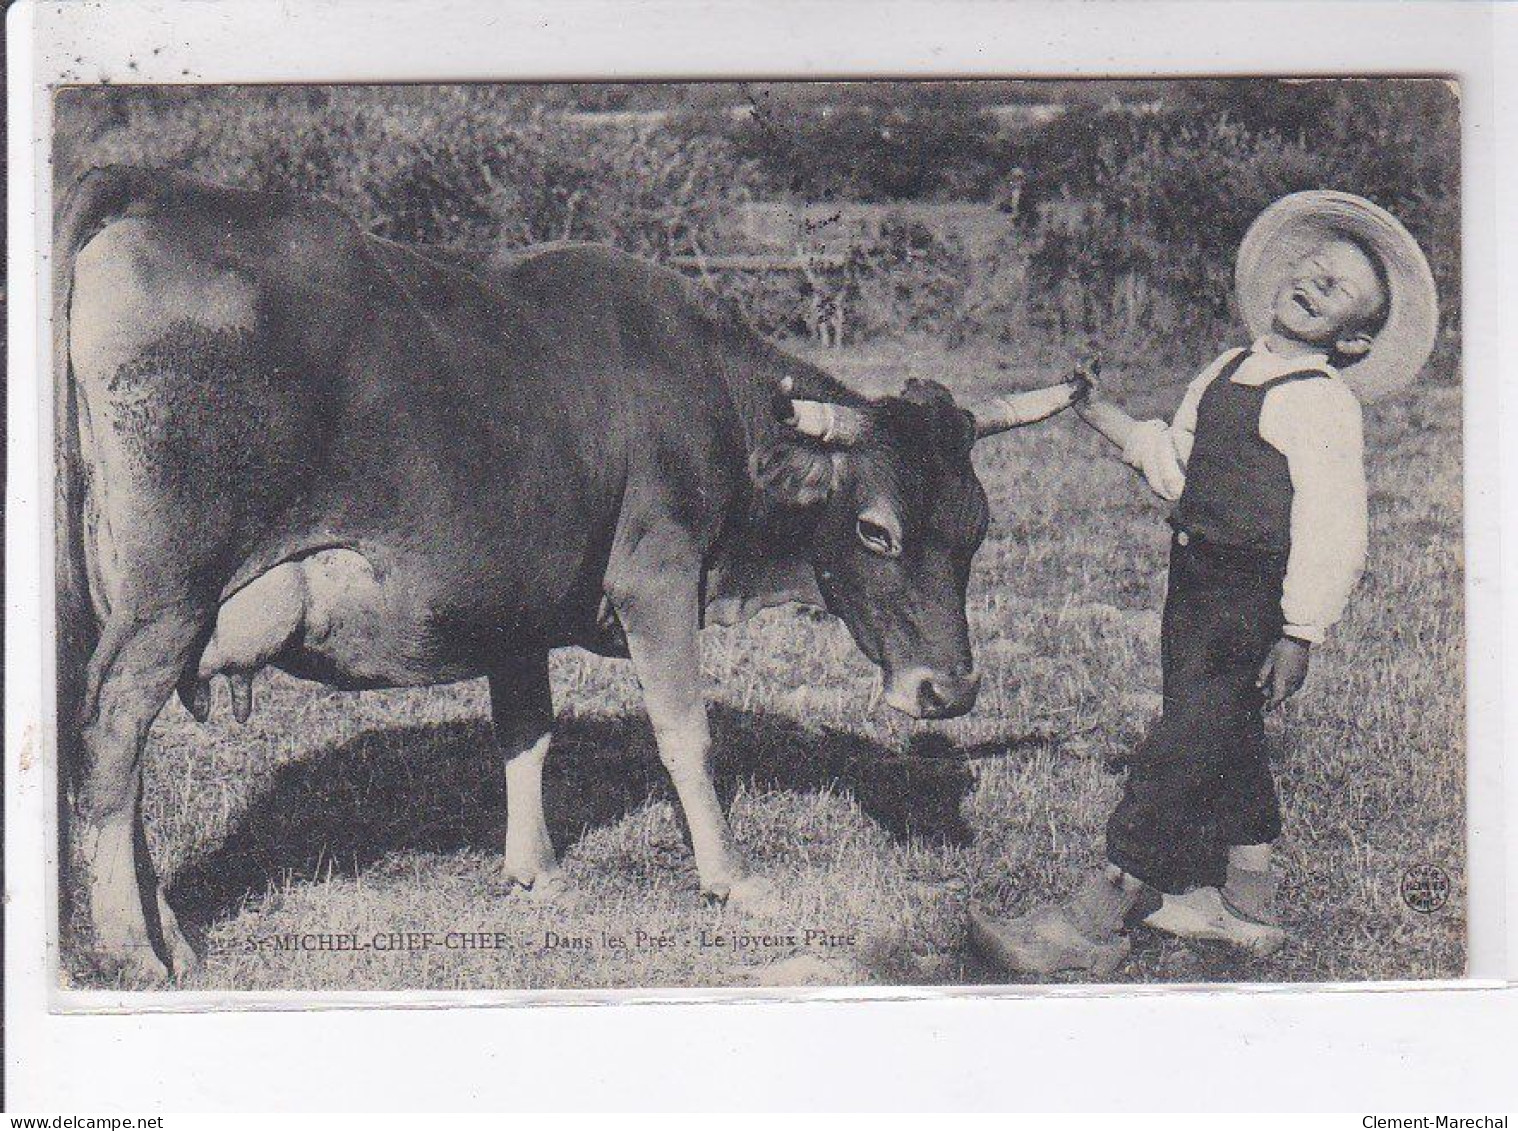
x=815, y=418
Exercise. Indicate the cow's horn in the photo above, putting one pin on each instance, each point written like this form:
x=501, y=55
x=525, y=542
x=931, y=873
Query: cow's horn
x=831, y=423
x=1013, y=410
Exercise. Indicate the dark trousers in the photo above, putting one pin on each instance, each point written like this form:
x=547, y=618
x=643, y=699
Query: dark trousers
x=1200, y=781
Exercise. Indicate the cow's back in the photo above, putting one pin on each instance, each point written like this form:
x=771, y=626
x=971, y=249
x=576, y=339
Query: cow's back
x=259, y=380
x=681, y=387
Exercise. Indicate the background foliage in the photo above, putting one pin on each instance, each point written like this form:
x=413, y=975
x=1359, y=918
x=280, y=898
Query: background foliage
x=1130, y=199
x=1136, y=217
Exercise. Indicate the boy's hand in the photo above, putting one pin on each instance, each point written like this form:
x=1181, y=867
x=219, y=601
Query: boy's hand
x=1283, y=672
x=1087, y=370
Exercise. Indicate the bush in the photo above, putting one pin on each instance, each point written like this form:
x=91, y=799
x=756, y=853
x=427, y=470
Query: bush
x=1129, y=215
x=879, y=143
x=1134, y=218
x=477, y=166
x=908, y=279
x=902, y=278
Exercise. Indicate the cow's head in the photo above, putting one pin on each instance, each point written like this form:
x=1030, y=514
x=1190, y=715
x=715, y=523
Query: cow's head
x=896, y=514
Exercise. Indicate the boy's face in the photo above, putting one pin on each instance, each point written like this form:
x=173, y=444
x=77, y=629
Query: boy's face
x=1330, y=298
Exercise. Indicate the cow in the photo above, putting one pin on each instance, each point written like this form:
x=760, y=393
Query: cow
x=285, y=441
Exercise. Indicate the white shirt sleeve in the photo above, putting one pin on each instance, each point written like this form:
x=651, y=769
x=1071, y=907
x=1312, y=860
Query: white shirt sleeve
x=1317, y=426
x=1162, y=451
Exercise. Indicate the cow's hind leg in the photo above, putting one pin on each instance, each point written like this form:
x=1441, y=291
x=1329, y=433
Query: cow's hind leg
x=521, y=704
x=188, y=433
x=131, y=675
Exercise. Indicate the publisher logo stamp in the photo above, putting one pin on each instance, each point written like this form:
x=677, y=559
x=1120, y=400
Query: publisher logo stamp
x=1425, y=888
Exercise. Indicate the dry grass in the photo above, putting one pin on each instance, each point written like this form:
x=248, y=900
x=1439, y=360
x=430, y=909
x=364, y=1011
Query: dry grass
x=384, y=812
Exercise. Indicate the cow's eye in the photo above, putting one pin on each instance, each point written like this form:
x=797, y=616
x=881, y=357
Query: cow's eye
x=878, y=538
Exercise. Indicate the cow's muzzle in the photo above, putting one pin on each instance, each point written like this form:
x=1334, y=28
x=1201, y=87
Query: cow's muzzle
x=924, y=694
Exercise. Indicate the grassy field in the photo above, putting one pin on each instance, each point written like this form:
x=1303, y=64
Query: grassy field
x=384, y=812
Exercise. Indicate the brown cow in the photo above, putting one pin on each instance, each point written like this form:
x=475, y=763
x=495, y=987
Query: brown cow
x=285, y=441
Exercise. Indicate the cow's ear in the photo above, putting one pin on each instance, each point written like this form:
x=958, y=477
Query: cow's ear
x=793, y=474
x=961, y=429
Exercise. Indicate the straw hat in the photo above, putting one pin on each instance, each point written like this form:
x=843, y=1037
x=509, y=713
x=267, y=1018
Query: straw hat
x=1294, y=226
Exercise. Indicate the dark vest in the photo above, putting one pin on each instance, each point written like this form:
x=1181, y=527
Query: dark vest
x=1238, y=488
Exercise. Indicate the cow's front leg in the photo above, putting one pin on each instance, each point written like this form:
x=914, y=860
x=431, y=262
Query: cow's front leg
x=521, y=703
x=659, y=614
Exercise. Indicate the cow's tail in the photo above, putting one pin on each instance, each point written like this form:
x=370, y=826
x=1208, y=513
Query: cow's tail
x=96, y=199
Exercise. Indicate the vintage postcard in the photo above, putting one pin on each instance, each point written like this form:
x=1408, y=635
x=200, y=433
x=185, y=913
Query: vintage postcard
x=564, y=537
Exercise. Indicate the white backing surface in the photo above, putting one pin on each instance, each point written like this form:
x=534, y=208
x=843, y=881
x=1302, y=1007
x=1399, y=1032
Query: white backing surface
x=1409, y=1049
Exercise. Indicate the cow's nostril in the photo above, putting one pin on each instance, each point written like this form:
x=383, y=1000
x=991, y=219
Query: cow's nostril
x=924, y=694
x=930, y=698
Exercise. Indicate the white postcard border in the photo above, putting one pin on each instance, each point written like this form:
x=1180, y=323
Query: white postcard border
x=243, y=40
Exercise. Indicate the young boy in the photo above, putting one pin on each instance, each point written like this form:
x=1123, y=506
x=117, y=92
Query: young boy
x=1264, y=461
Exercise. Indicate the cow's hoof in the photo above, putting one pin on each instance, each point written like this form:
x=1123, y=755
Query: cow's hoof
x=133, y=967
x=753, y=895
x=548, y=887
x=182, y=956
x=145, y=972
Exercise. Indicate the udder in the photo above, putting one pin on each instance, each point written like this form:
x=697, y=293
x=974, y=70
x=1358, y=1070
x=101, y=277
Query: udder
x=330, y=616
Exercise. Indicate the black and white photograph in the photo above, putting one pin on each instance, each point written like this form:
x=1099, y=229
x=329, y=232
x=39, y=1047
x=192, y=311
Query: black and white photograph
x=587, y=536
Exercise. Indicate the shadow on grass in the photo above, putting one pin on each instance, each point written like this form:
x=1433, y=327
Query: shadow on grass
x=439, y=788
